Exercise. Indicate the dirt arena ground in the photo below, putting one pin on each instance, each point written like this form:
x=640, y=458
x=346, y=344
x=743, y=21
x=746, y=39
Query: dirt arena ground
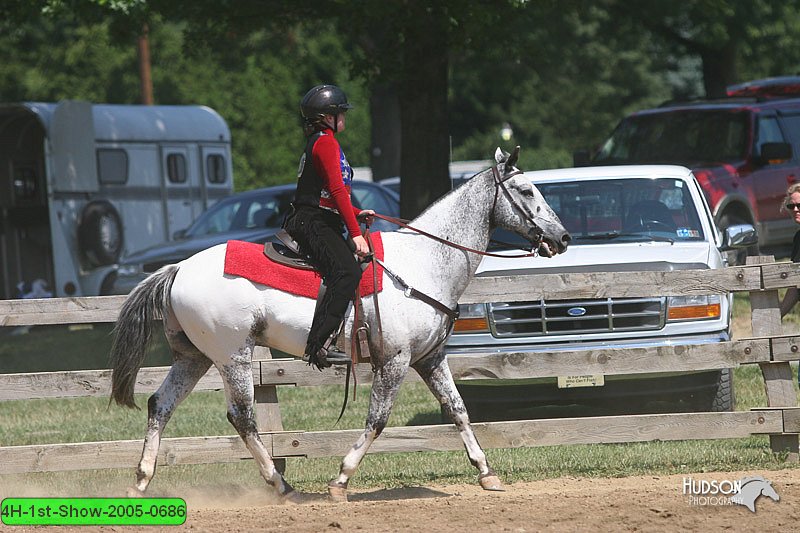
x=650, y=503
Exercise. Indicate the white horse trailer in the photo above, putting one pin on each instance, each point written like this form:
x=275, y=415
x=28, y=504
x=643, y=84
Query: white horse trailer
x=82, y=184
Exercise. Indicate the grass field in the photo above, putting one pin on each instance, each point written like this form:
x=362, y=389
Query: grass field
x=203, y=413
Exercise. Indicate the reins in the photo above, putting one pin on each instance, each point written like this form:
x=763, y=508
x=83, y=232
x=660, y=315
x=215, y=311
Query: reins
x=403, y=223
x=499, y=184
x=411, y=292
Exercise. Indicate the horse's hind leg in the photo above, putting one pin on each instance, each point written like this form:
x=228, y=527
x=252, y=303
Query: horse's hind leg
x=385, y=385
x=436, y=374
x=238, y=379
x=187, y=369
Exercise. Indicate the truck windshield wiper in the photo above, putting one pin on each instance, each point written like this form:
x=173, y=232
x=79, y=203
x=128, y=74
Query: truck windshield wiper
x=611, y=235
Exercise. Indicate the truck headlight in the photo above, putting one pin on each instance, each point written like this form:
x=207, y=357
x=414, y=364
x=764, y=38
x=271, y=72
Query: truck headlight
x=693, y=307
x=471, y=319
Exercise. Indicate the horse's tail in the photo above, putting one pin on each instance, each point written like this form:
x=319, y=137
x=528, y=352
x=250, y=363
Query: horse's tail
x=134, y=329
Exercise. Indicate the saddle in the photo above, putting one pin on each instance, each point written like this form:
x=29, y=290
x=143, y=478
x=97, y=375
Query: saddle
x=285, y=250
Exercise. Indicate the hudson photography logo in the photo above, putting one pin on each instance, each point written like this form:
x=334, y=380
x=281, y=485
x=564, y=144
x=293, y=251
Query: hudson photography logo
x=743, y=491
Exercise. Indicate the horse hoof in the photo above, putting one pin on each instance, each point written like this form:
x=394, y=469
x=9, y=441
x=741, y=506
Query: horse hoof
x=293, y=498
x=491, y=482
x=133, y=492
x=337, y=493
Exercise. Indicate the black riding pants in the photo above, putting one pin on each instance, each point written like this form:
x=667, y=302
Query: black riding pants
x=319, y=234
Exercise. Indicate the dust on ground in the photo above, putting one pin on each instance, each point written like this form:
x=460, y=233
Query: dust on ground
x=642, y=503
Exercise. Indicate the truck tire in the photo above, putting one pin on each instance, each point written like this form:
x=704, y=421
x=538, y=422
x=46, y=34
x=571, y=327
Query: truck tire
x=100, y=233
x=721, y=399
x=724, y=400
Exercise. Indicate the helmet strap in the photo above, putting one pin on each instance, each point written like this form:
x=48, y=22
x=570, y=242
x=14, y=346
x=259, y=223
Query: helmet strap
x=335, y=125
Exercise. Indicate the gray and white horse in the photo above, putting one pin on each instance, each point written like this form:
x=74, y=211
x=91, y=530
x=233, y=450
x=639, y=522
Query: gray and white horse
x=213, y=318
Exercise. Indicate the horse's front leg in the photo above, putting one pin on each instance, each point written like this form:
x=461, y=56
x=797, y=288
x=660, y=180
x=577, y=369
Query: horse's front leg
x=436, y=374
x=385, y=385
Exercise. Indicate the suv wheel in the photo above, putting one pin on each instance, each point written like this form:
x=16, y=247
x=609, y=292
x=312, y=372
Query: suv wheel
x=739, y=256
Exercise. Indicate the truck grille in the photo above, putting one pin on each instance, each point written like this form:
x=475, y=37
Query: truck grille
x=575, y=317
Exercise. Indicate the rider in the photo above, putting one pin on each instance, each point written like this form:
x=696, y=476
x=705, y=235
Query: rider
x=321, y=208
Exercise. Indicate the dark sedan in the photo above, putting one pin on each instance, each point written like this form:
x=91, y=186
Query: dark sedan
x=252, y=216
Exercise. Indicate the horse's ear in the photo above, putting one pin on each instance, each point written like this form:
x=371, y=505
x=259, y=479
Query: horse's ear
x=511, y=162
x=500, y=156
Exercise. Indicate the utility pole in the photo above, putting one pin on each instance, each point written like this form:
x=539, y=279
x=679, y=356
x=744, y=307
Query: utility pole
x=146, y=80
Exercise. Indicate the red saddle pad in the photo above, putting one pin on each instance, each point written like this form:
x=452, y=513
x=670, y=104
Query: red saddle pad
x=247, y=259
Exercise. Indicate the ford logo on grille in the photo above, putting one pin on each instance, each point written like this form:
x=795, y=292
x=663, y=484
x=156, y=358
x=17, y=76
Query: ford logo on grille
x=576, y=311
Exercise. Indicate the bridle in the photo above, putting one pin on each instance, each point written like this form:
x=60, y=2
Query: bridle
x=499, y=184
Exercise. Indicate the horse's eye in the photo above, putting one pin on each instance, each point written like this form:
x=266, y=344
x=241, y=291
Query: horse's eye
x=527, y=192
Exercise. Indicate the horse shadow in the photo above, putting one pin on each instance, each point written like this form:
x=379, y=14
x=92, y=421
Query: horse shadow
x=380, y=495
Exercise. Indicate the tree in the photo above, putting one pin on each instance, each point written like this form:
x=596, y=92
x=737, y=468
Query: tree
x=253, y=80
x=719, y=32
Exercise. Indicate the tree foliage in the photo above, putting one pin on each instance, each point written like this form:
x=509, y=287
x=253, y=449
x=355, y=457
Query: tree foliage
x=560, y=73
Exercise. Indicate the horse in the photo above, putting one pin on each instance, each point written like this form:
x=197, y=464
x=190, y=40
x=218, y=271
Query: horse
x=213, y=318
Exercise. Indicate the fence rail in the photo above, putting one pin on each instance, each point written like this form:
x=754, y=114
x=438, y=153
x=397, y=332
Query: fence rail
x=769, y=348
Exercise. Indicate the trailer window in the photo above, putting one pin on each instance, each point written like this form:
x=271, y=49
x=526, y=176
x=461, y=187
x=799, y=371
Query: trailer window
x=112, y=166
x=176, y=168
x=215, y=168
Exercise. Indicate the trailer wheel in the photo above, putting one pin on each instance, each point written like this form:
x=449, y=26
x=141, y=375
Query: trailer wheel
x=100, y=233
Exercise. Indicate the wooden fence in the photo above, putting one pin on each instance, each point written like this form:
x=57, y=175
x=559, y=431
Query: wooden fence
x=768, y=347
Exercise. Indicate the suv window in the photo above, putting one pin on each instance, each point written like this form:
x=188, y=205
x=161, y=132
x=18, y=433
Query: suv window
x=686, y=137
x=768, y=132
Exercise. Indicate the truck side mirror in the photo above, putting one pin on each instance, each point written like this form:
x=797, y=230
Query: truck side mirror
x=775, y=153
x=581, y=158
x=738, y=236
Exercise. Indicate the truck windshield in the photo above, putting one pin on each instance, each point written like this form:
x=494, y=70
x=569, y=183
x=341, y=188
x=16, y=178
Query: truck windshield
x=689, y=137
x=620, y=210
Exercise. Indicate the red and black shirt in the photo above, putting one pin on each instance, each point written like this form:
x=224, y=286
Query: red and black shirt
x=326, y=182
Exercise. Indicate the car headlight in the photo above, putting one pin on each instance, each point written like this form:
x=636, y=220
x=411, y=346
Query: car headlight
x=471, y=319
x=693, y=307
x=129, y=270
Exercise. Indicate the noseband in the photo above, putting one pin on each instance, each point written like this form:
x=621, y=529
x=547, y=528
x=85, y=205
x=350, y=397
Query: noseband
x=499, y=183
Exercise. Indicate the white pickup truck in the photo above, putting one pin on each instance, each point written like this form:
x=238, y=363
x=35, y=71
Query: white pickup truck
x=624, y=218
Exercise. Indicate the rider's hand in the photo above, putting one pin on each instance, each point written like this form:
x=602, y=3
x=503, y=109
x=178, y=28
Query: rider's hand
x=366, y=215
x=362, y=248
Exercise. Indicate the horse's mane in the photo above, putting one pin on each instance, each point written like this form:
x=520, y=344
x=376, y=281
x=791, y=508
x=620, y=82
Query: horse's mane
x=443, y=198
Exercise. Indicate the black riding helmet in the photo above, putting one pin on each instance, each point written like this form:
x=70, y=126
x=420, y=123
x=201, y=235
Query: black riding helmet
x=323, y=100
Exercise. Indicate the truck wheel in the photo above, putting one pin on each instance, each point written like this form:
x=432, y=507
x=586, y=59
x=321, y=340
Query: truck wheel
x=736, y=257
x=722, y=399
x=100, y=233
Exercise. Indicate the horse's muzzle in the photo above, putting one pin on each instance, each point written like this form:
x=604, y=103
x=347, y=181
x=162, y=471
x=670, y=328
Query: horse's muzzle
x=549, y=247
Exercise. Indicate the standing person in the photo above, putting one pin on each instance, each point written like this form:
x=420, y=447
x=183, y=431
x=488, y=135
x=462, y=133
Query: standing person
x=321, y=210
x=791, y=204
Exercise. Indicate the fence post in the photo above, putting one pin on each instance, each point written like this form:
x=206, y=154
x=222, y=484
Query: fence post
x=778, y=383
x=267, y=410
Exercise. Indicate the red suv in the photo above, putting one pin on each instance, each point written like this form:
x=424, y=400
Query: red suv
x=739, y=147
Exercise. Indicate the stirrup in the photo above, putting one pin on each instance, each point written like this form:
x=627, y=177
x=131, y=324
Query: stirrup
x=327, y=357
x=335, y=357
